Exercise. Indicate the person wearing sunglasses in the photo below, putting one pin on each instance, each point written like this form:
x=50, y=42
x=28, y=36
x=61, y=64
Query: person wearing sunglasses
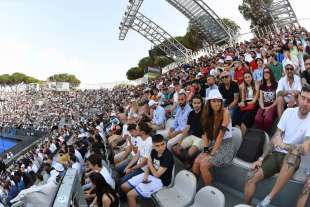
x=288, y=89
x=305, y=76
x=267, y=111
x=230, y=92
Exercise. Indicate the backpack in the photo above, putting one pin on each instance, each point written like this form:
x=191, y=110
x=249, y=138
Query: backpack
x=252, y=145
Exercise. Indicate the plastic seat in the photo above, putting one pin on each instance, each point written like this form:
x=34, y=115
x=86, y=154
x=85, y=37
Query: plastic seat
x=209, y=196
x=244, y=164
x=181, y=194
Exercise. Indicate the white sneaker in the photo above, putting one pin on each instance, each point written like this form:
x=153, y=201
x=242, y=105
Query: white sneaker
x=265, y=202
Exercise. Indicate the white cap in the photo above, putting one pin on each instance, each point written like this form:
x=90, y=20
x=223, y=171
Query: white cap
x=221, y=61
x=199, y=74
x=228, y=58
x=152, y=102
x=289, y=63
x=214, y=94
x=171, y=86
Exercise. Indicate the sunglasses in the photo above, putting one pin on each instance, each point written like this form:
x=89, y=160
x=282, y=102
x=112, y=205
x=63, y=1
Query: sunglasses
x=289, y=68
x=267, y=71
x=225, y=76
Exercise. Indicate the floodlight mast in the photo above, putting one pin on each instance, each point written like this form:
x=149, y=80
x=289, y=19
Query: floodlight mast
x=135, y=20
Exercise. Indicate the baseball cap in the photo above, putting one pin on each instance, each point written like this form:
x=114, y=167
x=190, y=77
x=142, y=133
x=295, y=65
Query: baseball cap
x=214, y=94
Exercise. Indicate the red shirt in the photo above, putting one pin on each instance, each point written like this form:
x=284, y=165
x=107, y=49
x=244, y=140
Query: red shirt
x=253, y=65
x=238, y=75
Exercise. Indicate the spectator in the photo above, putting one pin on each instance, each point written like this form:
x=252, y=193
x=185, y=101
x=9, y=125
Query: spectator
x=179, y=122
x=157, y=175
x=138, y=164
x=283, y=155
x=239, y=71
x=105, y=195
x=267, y=112
x=288, y=89
x=230, y=92
x=248, y=106
x=159, y=116
x=191, y=138
x=218, y=150
x=258, y=73
x=210, y=84
x=305, y=76
x=276, y=68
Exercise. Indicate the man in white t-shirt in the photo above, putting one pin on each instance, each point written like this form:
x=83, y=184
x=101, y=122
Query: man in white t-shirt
x=159, y=116
x=122, y=159
x=139, y=162
x=288, y=89
x=291, y=140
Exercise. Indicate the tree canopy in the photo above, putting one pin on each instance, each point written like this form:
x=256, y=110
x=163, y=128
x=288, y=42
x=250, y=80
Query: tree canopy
x=231, y=25
x=256, y=12
x=16, y=78
x=65, y=77
x=135, y=73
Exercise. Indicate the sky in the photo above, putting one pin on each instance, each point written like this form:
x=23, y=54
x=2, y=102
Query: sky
x=44, y=37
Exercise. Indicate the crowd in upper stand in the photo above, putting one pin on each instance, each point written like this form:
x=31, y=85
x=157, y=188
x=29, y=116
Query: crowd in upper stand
x=188, y=112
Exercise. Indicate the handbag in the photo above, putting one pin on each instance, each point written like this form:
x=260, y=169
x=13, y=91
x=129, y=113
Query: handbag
x=248, y=107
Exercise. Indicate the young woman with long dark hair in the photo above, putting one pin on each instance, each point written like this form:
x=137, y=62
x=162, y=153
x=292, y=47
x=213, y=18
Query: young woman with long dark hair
x=245, y=116
x=105, y=195
x=267, y=111
x=217, y=135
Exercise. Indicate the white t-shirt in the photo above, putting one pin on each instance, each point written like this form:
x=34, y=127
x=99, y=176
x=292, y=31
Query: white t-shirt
x=284, y=86
x=295, y=129
x=78, y=167
x=108, y=178
x=135, y=142
x=144, y=148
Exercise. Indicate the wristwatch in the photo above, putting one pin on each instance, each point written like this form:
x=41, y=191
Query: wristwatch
x=261, y=159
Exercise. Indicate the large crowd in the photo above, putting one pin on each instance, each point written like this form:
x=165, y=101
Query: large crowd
x=122, y=142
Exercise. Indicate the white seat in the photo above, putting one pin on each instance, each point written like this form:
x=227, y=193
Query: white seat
x=242, y=205
x=209, y=196
x=181, y=194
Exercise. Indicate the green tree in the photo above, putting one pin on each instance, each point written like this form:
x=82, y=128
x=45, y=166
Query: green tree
x=146, y=62
x=135, y=73
x=5, y=79
x=18, y=78
x=193, y=39
x=256, y=12
x=232, y=25
x=65, y=77
x=156, y=51
x=162, y=61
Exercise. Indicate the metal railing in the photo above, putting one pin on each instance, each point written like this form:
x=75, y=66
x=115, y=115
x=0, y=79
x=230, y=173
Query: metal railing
x=70, y=191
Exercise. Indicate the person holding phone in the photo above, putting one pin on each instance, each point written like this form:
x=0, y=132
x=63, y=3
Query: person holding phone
x=158, y=174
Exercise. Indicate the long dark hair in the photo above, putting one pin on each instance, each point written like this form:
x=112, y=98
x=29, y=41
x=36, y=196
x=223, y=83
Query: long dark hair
x=102, y=187
x=272, y=79
x=245, y=85
x=211, y=126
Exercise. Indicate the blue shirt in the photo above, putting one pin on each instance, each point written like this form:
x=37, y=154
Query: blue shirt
x=180, y=120
x=258, y=74
x=159, y=116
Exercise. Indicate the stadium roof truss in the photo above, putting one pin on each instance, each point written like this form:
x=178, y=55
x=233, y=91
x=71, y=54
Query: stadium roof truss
x=152, y=32
x=202, y=16
x=282, y=13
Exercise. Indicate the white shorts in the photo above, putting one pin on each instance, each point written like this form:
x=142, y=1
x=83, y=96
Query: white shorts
x=145, y=190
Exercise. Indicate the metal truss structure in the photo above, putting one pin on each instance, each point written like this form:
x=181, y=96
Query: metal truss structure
x=152, y=32
x=282, y=13
x=215, y=32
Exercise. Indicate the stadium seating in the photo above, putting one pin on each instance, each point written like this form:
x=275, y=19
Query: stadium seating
x=209, y=196
x=181, y=194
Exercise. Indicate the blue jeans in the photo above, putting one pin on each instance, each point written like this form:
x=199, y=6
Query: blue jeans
x=130, y=175
x=121, y=166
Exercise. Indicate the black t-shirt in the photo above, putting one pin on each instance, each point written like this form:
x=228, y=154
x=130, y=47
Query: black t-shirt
x=228, y=95
x=194, y=120
x=166, y=160
x=306, y=76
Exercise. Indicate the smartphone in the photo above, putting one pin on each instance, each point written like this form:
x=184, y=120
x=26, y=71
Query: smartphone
x=146, y=181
